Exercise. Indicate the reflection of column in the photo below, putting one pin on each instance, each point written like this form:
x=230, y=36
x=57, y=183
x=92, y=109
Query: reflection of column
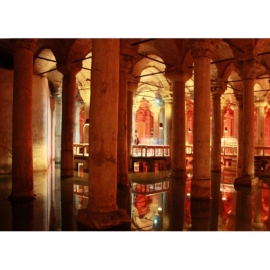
x=177, y=204
x=22, y=128
x=201, y=182
x=258, y=224
x=215, y=201
x=68, y=105
x=248, y=70
x=239, y=98
x=102, y=212
x=260, y=123
x=243, y=213
x=216, y=128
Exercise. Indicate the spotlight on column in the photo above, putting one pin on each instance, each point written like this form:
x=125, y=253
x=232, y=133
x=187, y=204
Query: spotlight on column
x=225, y=129
x=189, y=130
x=160, y=126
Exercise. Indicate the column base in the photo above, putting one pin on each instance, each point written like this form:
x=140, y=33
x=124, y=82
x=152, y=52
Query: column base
x=22, y=196
x=246, y=181
x=178, y=174
x=112, y=221
x=201, y=188
x=257, y=226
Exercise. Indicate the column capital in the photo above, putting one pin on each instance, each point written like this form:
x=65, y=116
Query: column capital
x=260, y=102
x=25, y=43
x=178, y=75
x=247, y=66
x=217, y=88
x=69, y=67
x=203, y=47
x=132, y=86
x=125, y=63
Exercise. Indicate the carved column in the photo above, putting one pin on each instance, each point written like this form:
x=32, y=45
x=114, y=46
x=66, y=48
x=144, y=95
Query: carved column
x=260, y=104
x=102, y=212
x=216, y=90
x=22, y=127
x=68, y=107
x=201, y=180
x=122, y=145
x=248, y=71
x=178, y=153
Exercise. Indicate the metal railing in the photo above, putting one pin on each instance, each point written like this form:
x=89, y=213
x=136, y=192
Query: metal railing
x=150, y=151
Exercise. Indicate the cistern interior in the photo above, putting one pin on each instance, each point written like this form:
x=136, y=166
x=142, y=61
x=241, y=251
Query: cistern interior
x=134, y=134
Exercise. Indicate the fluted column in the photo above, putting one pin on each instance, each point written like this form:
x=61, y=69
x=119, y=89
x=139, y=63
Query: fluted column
x=102, y=212
x=260, y=104
x=22, y=127
x=216, y=90
x=201, y=181
x=122, y=144
x=248, y=71
x=68, y=110
x=178, y=153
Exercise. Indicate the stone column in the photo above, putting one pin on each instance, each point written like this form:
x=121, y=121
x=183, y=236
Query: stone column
x=58, y=126
x=239, y=97
x=216, y=90
x=122, y=142
x=178, y=147
x=248, y=71
x=102, y=212
x=201, y=180
x=68, y=107
x=168, y=120
x=260, y=104
x=132, y=87
x=22, y=127
x=77, y=122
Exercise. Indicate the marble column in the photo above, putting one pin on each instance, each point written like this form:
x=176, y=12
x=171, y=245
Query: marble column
x=122, y=144
x=216, y=127
x=248, y=72
x=132, y=87
x=201, y=180
x=260, y=104
x=178, y=147
x=102, y=212
x=68, y=107
x=22, y=127
x=239, y=171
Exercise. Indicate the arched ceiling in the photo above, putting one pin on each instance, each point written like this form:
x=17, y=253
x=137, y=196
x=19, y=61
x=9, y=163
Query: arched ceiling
x=174, y=53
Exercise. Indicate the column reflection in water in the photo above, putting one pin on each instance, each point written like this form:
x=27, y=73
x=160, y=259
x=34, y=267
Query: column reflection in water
x=124, y=198
x=200, y=214
x=215, y=201
x=23, y=216
x=177, y=204
x=258, y=225
x=243, y=217
x=67, y=187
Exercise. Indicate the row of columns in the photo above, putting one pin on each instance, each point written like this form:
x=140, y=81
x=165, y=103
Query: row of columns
x=107, y=164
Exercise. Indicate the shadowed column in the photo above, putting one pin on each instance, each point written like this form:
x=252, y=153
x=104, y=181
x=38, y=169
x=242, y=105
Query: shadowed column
x=22, y=127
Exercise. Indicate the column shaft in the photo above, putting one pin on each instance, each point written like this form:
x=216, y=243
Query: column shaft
x=201, y=184
x=216, y=133
x=104, y=126
x=68, y=108
x=22, y=128
x=178, y=157
x=122, y=158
